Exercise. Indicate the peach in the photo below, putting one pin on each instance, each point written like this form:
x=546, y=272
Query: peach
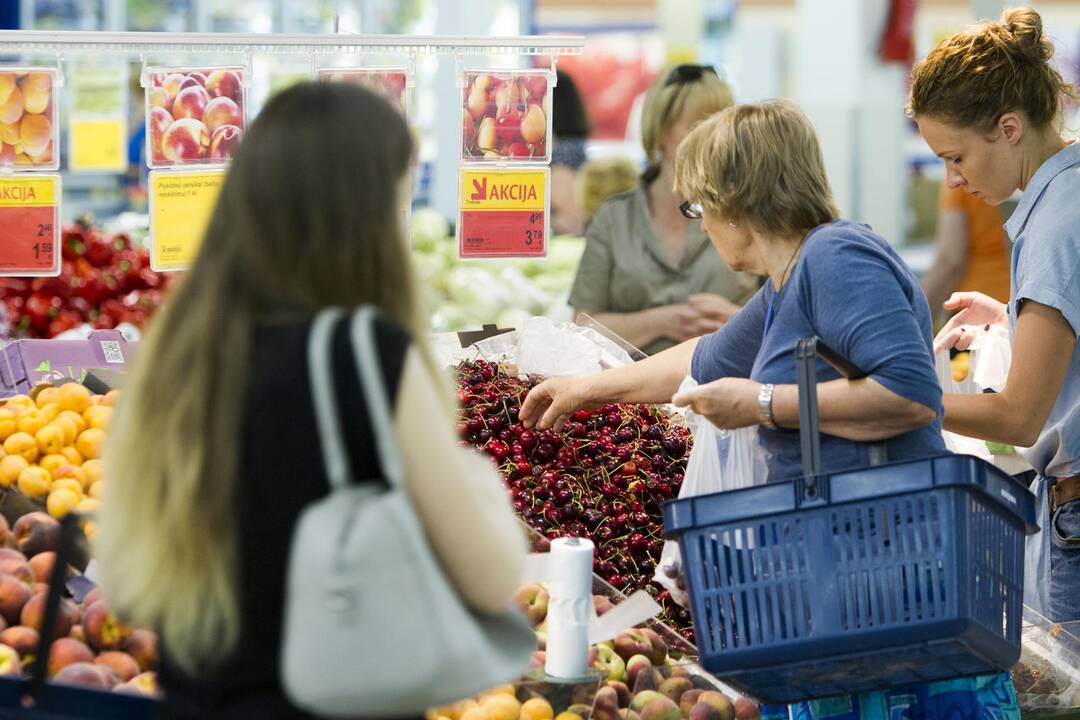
x=186, y=139
x=50, y=440
x=77, y=633
x=159, y=98
x=92, y=597
x=222, y=111
x=103, y=630
x=33, y=613
x=12, y=109
x=191, y=102
x=11, y=466
x=90, y=440
x=225, y=83
x=14, y=594
x=87, y=674
x=42, y=565
x=143, y=646
x=22, y=639
x=9, y=662
x=61, y=502
x=35, y=132
x=157, y=124
x=36, y=533
x=121, y=663
x=37, y=91
x=225, y=141
x=18, y=567
x=66, y=651
x=195, y=77
x=22, y=443
x=5, y=531
x=142, y=684
x=171, y=85
x=39, y=588
x=34, y=481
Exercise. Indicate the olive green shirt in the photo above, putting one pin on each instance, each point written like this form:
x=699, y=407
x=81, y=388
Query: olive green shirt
x=624, y=268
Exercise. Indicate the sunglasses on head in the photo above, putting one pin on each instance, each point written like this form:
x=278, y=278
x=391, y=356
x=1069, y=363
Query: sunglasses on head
x=691, y=211
x=688, y=73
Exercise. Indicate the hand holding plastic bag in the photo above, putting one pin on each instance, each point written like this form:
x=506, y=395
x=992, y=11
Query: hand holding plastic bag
x=991, y=356
x=721, y=460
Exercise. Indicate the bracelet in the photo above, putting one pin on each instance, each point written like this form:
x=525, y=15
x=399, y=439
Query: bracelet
x=764, y=401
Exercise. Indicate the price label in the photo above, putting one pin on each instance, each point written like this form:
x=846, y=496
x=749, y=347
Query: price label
x=30, y=225
x=98, y=145
x=180, y=207
x=504, y=213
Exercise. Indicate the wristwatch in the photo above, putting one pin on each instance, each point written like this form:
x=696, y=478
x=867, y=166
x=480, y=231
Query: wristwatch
x=764, y=401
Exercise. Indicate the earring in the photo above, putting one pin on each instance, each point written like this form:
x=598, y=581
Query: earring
x=731, y=224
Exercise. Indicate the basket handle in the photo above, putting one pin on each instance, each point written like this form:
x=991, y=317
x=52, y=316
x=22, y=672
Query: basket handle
x=807, y=351
x=68, y=531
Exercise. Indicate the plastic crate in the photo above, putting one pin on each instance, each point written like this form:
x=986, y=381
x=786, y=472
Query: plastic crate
x=860, y=580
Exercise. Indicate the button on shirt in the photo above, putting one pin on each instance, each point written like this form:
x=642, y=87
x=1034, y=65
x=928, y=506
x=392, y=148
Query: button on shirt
x=624, y=268
x=1045, y=230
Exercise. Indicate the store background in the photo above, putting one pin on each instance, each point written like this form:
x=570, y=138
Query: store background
x=822, y=53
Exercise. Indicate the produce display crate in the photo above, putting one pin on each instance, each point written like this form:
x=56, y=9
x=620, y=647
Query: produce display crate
x=860, y=580
x=1047, y=677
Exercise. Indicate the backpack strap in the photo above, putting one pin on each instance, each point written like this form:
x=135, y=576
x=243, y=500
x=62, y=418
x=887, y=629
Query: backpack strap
x=324, y=398
x=379, y=413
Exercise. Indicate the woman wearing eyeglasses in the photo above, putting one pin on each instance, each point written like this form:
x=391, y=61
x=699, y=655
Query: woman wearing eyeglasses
x=648, y=272
x=754, y=174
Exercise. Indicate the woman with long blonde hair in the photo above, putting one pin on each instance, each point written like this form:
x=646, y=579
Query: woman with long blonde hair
x=215, y=452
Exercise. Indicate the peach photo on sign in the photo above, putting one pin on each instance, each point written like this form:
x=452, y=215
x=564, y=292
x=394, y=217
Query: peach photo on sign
x=27, y=118
x=506, y=115
x=194, y=116
x=391, y=83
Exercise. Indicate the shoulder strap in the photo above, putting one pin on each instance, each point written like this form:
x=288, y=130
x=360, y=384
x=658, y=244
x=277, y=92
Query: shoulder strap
x=321, y=376
x=379, y=414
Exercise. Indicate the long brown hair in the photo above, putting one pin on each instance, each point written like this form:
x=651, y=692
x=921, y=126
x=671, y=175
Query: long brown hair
x=308, y=217
x=973, y=78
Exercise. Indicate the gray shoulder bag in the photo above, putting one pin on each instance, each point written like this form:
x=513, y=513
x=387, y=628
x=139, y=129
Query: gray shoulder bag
x=372, y=625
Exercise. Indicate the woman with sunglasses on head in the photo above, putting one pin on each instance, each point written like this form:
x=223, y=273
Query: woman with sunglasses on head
x=649, y=273
x=990, y=103
x=755, y=176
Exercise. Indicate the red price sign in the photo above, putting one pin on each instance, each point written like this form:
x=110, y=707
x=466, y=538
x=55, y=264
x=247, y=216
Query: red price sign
x=29, y=225
x=504, y=213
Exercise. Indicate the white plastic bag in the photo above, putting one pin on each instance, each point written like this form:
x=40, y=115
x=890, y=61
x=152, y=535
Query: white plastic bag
x=721, y=460
x=991, y=356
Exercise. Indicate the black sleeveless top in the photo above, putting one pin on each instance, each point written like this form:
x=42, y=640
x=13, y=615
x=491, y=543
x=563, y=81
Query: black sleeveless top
x=281, y=472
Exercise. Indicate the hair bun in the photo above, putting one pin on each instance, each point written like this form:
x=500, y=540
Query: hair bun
x=1026, y=27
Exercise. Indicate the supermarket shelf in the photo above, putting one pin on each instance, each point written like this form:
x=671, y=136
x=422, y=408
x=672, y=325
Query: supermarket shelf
x=136, y=43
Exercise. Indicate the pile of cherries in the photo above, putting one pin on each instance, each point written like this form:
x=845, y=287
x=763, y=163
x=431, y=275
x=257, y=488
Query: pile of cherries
x=603, y=477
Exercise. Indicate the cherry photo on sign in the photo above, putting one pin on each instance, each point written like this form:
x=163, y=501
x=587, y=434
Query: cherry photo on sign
x=505, y=116
x=194, y=115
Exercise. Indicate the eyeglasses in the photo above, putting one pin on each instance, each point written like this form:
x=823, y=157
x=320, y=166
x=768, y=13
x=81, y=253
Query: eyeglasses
x=691, y=211
x=688, y=73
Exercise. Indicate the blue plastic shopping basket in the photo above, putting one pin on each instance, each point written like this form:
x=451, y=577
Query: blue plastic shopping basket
x=859, y=580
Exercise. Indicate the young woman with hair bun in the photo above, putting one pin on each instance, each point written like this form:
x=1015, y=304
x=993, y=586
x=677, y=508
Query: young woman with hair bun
x=990, y=103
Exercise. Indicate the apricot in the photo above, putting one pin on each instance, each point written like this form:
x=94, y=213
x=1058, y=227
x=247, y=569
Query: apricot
x=9, y=134
x=68, y=427
x=97, y=490
x=98, y=416
x=68, y=484
x=74, y=456
x=7, y=423
x=537, y=709
x=52, y=463
x=22, y=443
x=50, y=411
x=111, y=398
x=30, y=421
x=73, y=396
x=10, y=468
x=35, y=132
x=12, y=109
x=45, y=396
x=18, y=403
x=7, y=84
x=50, y=439
x=35, y=481
x=71, y=472
x=89, y=443
x=501, y=707
x=61, y=502
x=88, y=506
x=75, y=418
x=94, y=470
x=37, y=91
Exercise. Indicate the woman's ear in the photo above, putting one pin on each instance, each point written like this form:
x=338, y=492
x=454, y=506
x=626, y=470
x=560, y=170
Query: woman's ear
x=1011, y=126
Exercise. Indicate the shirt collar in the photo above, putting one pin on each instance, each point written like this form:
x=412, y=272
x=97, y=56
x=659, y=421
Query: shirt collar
x=1057, y=164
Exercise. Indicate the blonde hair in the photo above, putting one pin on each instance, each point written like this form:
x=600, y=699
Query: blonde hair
x=167, y=540
x=603, y=178
x=760, y=164
x=973, y=78
x=667, y=103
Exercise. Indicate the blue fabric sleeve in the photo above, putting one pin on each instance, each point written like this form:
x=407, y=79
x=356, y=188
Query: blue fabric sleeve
x=731, y=350
x=862, y=307
x=1051, y=274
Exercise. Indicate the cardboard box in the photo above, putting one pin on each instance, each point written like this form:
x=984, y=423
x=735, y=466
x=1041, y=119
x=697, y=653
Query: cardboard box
x=26, y=363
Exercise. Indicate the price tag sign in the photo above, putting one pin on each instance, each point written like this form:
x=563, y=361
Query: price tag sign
x=30, y=225
x=504, y=212
x=98, y=129
x=180, y=207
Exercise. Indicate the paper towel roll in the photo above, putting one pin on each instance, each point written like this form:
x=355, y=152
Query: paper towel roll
x=569, y=608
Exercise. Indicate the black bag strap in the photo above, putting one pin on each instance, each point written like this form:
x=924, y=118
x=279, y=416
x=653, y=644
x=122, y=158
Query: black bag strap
x=807, y=351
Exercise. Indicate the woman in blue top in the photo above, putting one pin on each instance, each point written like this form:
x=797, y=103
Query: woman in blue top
x=765, y=202
x=989, y=102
